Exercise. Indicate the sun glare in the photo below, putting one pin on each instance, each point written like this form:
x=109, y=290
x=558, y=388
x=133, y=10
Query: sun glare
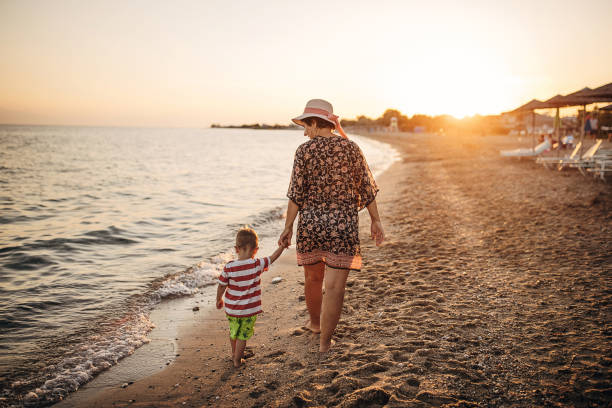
x=459, y=83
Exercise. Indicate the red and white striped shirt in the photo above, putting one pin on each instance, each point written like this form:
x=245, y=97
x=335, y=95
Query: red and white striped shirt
x=242, y=278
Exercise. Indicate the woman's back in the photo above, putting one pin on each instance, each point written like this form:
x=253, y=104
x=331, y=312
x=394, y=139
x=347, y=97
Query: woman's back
x=331, y=171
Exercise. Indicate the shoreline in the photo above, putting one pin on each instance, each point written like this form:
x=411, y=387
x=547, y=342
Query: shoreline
x=201, y=338
x=492, y=289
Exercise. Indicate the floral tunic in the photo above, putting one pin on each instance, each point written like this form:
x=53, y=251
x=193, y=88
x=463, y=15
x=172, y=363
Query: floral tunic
x=331, y=182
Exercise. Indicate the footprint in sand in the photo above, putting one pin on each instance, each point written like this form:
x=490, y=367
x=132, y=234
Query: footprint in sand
x=296, y=365
x=272, y=385
x=368, y=369
x=366, y=397
x=298, y=332
x=274, y=354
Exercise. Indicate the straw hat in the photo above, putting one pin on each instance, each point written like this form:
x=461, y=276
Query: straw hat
x=318, y=108
x=321, y=109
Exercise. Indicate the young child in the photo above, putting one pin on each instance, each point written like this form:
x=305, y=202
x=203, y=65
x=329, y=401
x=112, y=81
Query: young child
x=242, y=298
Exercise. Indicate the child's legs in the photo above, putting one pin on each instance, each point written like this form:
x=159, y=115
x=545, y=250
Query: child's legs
x=239, y=352
x=234, y=327
x=245, y=330
x=233, y=343
x=313, y=285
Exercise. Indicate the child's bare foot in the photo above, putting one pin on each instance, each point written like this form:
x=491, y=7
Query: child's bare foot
x=312, y=327
x=248, y=353
x=324, y=348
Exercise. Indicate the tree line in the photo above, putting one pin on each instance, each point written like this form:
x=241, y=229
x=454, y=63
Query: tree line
x=432, y=124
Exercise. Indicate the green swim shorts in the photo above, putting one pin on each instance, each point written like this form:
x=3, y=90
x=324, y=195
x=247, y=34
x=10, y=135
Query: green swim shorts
x=242, y=328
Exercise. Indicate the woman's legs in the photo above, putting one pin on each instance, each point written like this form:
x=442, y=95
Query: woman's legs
x=313, y=285
x=335, y=282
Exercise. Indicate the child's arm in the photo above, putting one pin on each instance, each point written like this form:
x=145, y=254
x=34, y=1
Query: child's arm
x=276, y=254
x=220, y=292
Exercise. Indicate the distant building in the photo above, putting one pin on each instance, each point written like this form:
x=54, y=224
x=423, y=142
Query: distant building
x=393, y=126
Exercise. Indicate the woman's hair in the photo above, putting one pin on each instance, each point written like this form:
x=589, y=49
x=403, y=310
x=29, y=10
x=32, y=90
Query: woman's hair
x=247, y=237
x=321, y=123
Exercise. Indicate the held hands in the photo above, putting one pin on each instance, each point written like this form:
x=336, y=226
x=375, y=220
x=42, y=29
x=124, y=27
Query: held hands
x=285, y=238
x=219, y=303
x=377, y=233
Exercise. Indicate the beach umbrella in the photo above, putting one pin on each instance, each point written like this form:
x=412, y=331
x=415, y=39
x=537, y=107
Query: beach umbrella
x=601, y=94
x=557, y=101
x=604, y=91
x=577, y=98
x=530, y=106
x=580, y=97
x=583, y=97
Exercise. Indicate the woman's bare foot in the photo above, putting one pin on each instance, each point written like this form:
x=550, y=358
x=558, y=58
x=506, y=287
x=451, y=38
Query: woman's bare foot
x=312, y=328
x=324, y=348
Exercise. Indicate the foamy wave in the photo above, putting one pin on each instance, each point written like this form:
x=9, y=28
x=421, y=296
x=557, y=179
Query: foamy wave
x=118, y=339
x=96, y=354
x=380, y=156
x=190, y=282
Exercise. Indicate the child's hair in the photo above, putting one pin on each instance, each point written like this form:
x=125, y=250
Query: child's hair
x=247, y=237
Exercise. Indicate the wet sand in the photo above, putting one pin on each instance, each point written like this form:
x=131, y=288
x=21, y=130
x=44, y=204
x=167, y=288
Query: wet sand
x=493, y=289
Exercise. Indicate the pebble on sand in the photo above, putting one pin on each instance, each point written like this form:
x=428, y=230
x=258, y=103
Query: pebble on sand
x=278, y=279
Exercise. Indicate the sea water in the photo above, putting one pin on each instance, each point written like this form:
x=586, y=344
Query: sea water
x=99, y=225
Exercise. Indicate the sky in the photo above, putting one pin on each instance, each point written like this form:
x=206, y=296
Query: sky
x=190, y=63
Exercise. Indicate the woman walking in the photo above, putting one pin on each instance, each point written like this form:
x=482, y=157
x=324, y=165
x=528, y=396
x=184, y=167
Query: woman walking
x=330, y=183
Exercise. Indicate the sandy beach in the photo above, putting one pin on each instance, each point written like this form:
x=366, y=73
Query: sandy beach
x=492, y=289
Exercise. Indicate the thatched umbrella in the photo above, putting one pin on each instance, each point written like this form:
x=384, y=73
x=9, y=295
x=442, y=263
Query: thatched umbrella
x=604, y=91
x=530, y=106
x=557, y=101
x=582, y=97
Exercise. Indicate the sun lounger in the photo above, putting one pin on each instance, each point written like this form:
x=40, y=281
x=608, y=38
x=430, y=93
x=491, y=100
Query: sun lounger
x=575, y=161
x=587, y=159
x=546, y=161
x=526, y=152
x=601, y=168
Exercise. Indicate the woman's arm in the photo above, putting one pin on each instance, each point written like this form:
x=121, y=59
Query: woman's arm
x=285, y=238
x=376, y=230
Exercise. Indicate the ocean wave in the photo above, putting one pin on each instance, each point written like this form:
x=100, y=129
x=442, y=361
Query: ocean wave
x=264, y=219
x=97, y=353
x=110, y=236
x=190, y=281
x=22, y=218
x=23, y=262
x=110, y=340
